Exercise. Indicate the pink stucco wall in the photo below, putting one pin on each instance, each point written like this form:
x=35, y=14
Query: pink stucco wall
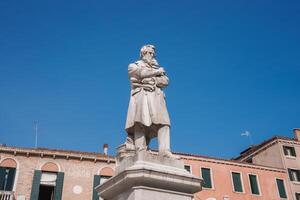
x=222, y=181
x=77, y=172
x=80, y=172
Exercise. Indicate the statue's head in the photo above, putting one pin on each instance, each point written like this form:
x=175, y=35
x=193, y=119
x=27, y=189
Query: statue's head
x=147, y=50
x=148, y=54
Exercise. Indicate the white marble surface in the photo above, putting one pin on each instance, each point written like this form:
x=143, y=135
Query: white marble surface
x=146, y=176
x=147, y=115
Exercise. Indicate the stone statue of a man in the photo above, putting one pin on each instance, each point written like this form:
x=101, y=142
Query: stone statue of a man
x=147, y=115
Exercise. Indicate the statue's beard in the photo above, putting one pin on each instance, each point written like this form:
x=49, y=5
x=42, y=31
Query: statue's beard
x=150, y=60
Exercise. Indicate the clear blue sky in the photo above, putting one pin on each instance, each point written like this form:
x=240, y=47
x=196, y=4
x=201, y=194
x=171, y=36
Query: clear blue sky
x=233, y=66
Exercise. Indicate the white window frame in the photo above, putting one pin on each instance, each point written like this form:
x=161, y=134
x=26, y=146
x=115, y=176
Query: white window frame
x=295, y=182
x=258, y=184
x=296, y=193
x=226, y=197
x=211, y=178
x=103, y=179
x=191, y=168
x=289, y=156
x=106, y=178
x=242, y=181
x=285, y=187
x=16, y=173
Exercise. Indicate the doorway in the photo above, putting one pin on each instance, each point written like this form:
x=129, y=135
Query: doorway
x=46, y=192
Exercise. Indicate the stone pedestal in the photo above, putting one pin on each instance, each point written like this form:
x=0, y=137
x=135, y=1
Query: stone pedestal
x=147, y=176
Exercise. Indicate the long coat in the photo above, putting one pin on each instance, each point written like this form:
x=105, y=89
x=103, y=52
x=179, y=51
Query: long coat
x=147, y=104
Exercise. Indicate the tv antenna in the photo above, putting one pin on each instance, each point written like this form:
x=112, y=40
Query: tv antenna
x=248, y=134
x=35, y=127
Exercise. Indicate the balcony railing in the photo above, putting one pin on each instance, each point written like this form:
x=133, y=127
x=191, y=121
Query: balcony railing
x=7, y=195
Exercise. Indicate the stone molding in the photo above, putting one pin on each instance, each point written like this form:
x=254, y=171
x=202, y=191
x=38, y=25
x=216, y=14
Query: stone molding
x=41, y=152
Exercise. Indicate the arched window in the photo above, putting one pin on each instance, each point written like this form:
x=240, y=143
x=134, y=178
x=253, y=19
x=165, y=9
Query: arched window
x=104, y=174
x=7, y=174
x=50, y=167
x=47, y=183
x=107, y=171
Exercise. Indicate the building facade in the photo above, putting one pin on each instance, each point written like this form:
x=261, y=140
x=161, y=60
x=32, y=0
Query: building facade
x=280, y=152
x=270, y=171
x=232, y=180
x=49, y=174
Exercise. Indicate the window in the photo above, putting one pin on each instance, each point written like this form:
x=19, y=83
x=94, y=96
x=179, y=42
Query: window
x=294, y=175
x=96, y=183
x=289, y=151
x=47, y=186
x=98, y=180
x=103, y=179
x=281, y=188
x=46, y=192
x=187, y=168
x=297, y=196
x=206, y=175
x=7, y=177
x=254, y=184
x=237, y=182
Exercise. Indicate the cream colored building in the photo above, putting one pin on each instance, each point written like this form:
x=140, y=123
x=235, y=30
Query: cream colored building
x=279, y=152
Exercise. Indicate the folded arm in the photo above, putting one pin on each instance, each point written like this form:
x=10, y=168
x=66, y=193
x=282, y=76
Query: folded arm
x=141, y=73
x=162, y=81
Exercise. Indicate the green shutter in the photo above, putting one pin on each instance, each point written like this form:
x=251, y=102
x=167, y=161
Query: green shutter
x=2, y=177
x=285, y=150
x=293, y=151
x=281, y=188
x=35, y=185
x=237, y=182
x=253, y=184
x=291, y=175
x=59, y=186
x=10, y=179
x=206, y=177
x=96, y=183
x=298, y=175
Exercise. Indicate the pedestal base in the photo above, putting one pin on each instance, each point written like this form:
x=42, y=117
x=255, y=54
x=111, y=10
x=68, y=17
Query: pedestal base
x=147, y=176
x=148, y=193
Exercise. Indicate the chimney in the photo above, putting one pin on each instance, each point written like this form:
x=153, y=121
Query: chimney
x=105, y=149
x=297, y=133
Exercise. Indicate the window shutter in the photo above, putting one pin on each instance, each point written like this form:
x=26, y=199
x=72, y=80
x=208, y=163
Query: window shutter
x=285, y=150
x=10, y=179
x=293, y=151
x=253, y=184
x=298, y=175
x=291, y=175
x=96, y=183
x=237, y=183
x=2, y=177
x=206, y=177
x=59, y=186
x=297, y=196
x=281, y=188
x=35, y=185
